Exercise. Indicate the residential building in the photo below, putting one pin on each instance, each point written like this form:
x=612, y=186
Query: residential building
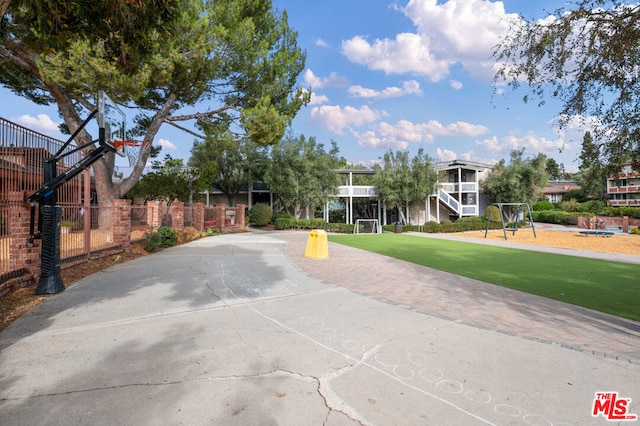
x=624, y=189
x=458, y=194
x=555, y=190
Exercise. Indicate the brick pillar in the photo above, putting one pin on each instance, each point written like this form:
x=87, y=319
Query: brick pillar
x=240, y=217
x=153, y=215
x=122, y=224
x=21, y=256
x=198, y=216
x=625, y=224
x=177, y=210
x=219, y=215
x=583, y=222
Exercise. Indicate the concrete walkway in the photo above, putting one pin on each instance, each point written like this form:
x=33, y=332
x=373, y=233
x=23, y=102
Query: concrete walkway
x=243, y=330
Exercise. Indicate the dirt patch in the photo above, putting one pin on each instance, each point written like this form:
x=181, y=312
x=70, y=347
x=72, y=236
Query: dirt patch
x=21, y=300
x=616, y=243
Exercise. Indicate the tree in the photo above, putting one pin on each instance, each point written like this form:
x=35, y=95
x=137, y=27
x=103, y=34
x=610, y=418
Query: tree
x=401, y=181
x=592, y=176
x=302, y=174
x=169, y=180
x=228, y=165
x=587, y=58
x=236, y=60
x=553, y=169
x=520, y=181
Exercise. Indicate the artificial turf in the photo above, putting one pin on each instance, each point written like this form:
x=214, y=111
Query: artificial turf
x=601, y=285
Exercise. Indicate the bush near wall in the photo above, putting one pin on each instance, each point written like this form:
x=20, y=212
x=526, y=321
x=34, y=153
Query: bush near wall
x=557, y=217
x=260, y=214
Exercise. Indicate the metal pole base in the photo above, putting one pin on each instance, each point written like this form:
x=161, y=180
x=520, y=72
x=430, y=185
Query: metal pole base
x=51, y=284
x=50, y=281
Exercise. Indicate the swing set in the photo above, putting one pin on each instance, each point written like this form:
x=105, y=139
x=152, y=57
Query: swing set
x=513, y=226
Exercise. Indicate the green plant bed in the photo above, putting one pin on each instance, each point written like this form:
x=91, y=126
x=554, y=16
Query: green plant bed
x=601, y=285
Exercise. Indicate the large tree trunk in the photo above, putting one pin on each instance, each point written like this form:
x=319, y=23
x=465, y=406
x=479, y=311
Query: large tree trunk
x=103, y=168
x=4, y=5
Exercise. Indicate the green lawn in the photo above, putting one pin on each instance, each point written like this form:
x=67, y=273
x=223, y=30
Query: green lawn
x=596, y=284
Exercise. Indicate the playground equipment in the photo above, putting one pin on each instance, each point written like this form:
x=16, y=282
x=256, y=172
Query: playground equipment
x=514, y=224
x=111, y=132
x=369, y=226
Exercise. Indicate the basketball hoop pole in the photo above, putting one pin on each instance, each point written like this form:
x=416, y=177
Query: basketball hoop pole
x=50, y=281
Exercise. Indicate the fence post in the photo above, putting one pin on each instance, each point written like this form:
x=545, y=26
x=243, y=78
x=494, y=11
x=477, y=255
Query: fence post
x=625, y=224
x=177, y=208
x=240, y=208
x=153, y=215
x=219, y=216
x=122, y=224
x=198, y=216
x=21, y=256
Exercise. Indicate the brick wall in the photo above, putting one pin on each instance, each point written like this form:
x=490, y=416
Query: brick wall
x=25, y=257
x=122, y=224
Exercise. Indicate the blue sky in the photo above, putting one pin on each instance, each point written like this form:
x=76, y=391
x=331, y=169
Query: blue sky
x=398, y=75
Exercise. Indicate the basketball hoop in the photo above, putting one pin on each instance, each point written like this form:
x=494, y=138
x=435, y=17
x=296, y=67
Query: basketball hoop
x=129, y=148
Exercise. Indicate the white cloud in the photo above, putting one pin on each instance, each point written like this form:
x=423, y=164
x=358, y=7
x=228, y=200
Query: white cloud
x=402, y=133
x=321, y=43
x=336, y=118
x=457, y=85
x=411, y=87
x=164, y=143
x=532, y=143
x=457, y=31
x=370, y=139
x=318, y=99
x=41, y=123
x=315, y=82
x=572, y=129
x=408, y=53
x=445, y=155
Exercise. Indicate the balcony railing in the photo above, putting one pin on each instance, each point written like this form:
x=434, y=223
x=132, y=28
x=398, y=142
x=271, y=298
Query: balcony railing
x=623, y=189
x=357, y=191
x=623, y=203
x=464, y=187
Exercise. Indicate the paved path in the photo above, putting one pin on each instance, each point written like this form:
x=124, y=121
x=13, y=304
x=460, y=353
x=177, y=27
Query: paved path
x=473, y=302
x=242, y=329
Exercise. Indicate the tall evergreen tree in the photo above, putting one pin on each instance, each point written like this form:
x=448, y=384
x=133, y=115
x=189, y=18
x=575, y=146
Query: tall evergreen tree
x=235, y=63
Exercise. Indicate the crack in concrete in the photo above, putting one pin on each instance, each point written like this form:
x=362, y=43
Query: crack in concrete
x=333, y=401
x=279, y=373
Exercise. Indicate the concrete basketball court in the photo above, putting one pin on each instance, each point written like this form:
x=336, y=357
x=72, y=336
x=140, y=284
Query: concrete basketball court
x=243, y=330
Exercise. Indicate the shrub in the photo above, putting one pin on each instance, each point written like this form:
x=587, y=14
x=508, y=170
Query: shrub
x=260, y=214
x=186, y=234
x=492, y=213
x=543, y=205
x=167, y=236
x=151, y=241
x=280, y=214
x=285, y=223
x=549, y=216
x=571, y=205
x=592, y=206
x=431, y=227
x=635, y=231
x=576, y=194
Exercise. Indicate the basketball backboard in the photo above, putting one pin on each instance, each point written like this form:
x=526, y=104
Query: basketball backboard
x=111, y=122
